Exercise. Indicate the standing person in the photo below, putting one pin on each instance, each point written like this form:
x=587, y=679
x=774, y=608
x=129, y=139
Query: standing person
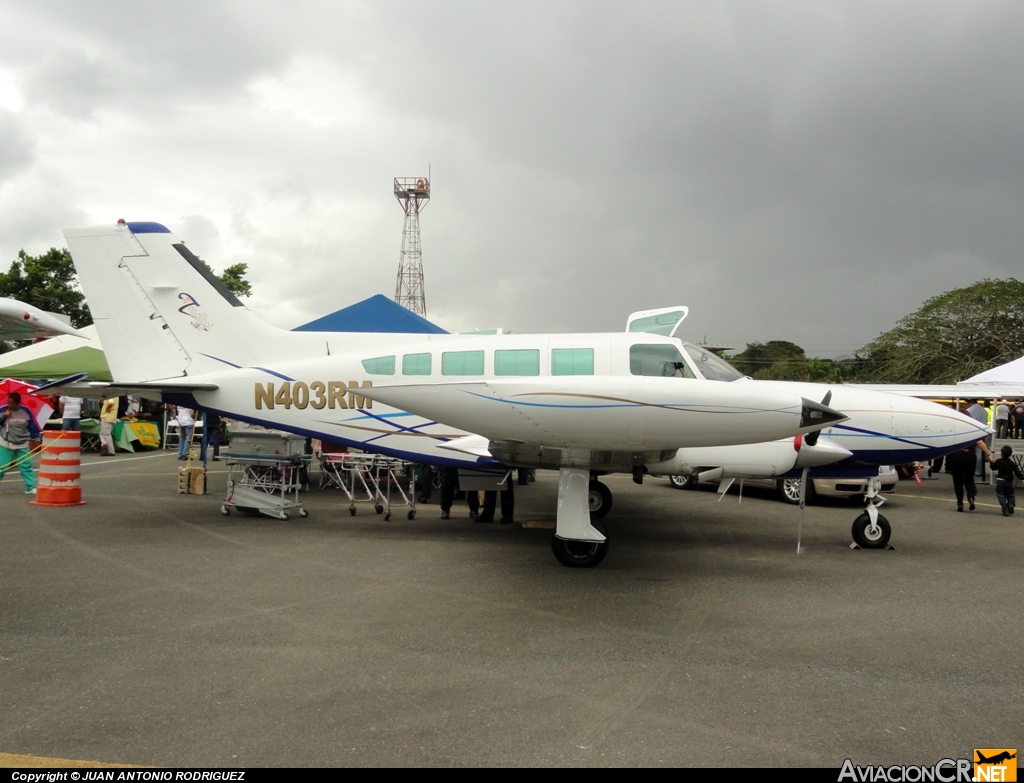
x=1005, y=469
x=108, y=418
x=449, y=486
x=70, y=413
x=18, y=430
x=217, y=428
x=1002, y=419
x=979, y=413
x=186, y=423
x=961, y=465
x=508, y=503
x=1018, y=420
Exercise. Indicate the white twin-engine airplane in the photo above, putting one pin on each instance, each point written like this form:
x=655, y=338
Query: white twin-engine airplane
x=578, y=403
x=572, y=402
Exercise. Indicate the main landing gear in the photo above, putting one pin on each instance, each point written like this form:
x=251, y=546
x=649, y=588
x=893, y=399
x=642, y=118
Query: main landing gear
x=581, y=554
x=579, y=542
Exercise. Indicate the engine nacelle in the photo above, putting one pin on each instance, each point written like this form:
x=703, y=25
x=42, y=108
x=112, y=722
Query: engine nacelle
x=754, y=460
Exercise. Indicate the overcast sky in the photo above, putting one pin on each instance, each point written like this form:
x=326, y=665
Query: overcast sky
x=806, y=171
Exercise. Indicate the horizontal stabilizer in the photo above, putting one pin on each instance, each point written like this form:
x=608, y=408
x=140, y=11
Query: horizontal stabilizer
x=78, y=376
x=156, y=386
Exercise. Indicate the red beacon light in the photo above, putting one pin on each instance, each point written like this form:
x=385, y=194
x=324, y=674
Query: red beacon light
x=27, y=316
x=120, y=222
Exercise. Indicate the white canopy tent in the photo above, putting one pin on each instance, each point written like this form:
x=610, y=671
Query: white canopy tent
x=1010, y=373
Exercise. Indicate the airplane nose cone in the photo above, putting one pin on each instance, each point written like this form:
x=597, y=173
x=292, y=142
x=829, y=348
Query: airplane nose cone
x=815, y=416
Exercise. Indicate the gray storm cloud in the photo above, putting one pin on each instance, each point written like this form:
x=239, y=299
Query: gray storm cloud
x=790, y=170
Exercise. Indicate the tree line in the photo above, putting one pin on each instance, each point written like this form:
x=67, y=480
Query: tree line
x=950, y=338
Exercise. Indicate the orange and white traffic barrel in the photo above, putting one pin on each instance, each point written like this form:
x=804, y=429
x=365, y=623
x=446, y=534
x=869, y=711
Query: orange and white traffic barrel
x=60, y=470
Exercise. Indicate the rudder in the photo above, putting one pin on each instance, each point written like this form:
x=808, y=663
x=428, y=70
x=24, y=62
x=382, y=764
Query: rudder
x=159, y=311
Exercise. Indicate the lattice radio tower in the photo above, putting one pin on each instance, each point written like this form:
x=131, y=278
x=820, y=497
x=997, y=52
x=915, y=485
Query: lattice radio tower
x=412, y=193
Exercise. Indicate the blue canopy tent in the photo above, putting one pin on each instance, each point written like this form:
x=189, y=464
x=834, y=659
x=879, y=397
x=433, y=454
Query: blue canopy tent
x=376, y=314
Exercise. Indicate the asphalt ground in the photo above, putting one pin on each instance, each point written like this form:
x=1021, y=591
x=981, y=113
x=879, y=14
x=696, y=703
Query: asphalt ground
x=146, y=628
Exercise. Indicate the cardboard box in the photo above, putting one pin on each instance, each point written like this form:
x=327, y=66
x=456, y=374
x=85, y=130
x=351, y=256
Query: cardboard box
x=190, y=480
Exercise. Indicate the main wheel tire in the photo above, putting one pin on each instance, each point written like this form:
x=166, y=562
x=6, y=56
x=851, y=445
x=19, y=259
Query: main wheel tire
x=868, y=537
x=581, y=554
x=789, y=491
x=599, y=500
x=684, y=482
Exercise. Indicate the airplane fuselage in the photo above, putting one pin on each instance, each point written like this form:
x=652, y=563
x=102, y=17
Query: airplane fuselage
x=553, y=391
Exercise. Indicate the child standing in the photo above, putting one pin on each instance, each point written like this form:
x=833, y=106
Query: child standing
x=1006, y=469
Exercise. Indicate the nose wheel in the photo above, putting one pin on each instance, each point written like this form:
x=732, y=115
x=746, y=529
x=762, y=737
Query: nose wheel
x=871, y=535
x=871, y=530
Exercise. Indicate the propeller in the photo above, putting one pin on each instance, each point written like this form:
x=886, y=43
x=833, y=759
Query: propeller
x=812, y=438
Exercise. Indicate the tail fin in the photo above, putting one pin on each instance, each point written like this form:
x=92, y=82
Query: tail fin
x=160, y=312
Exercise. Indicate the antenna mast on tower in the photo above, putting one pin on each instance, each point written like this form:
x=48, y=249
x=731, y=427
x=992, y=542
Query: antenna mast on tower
x=412, y=193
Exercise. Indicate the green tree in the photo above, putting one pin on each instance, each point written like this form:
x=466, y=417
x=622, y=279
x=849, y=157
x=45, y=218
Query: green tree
x=776, y=360
x=951, y=337
x=828, y=370
x=48, y=282
x=234, y=278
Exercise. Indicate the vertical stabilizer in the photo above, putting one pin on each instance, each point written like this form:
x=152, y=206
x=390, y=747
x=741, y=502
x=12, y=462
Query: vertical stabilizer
x=159, y=311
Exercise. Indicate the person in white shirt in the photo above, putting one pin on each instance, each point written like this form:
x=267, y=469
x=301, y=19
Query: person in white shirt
x=70, y=413
x=186, y=423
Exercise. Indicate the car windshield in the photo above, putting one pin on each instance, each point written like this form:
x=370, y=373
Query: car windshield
x=711, y=366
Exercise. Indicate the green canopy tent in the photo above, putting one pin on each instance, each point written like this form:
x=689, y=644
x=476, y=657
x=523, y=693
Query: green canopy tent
x=60, y=365
x=57, y=357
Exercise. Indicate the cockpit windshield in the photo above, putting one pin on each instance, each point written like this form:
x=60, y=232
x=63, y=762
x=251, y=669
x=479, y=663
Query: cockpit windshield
x=710, y=365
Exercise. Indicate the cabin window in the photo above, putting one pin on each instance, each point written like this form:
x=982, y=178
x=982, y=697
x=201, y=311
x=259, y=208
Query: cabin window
x=657, y=360
x=381, y=365
x=416, y=364
x=524, y=362
x=462, y=363
x=572, y=361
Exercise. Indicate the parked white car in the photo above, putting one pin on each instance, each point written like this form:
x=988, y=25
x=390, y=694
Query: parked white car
x=788, y=489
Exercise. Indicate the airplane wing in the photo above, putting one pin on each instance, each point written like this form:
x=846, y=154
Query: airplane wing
x=20, y=321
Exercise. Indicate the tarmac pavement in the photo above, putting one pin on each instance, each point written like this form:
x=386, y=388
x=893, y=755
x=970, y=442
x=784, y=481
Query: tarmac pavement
x=147, y=628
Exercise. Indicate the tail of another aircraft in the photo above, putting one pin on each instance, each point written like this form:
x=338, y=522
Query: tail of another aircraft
x=160, y=312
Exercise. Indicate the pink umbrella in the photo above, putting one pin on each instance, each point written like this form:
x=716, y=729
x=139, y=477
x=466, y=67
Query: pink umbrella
x=34, y=404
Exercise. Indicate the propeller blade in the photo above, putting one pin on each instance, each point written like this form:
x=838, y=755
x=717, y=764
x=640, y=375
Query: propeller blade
x=812, y=438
